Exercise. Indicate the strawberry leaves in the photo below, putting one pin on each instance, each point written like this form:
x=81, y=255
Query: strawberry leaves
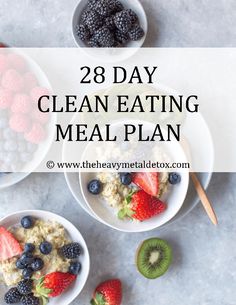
x=126, y=211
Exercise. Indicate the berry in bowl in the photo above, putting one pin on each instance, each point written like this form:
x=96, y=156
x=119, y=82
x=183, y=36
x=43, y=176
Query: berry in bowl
x=43, y=258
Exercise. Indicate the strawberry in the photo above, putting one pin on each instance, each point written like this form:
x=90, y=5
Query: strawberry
x=54, y=284
x=141, y=206
x=149, y=182
x=9, y=246
x=108, y=293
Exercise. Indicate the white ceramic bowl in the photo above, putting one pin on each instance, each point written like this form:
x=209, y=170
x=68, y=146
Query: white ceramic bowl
x=107, y=215
x=108, y=54
x=68, y=296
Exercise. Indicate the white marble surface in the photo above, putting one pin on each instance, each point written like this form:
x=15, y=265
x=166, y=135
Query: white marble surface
x=204, y=267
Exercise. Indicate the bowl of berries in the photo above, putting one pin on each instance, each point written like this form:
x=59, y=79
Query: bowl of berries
x=118, y=26
x=43, y=259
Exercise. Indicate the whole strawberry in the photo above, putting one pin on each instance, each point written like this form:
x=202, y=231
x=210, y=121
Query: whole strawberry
x=141, y=206
x=54, y=284
x=108, y=293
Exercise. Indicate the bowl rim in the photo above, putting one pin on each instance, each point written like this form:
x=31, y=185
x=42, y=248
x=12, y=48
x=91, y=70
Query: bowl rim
x=63, y=220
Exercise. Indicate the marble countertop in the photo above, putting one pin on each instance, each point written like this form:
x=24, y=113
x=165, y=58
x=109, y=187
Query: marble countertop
x=204, y=267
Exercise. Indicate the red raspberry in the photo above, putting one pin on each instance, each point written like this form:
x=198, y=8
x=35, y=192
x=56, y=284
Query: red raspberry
x=20, y=122
x=12, y=80
x=3, y=63
x=37, y=92
x=36, y=134
x=2, y=45
x=40, y=117
x=21, y=104
x=30, y=81
x=6, y=98
x=16, y=61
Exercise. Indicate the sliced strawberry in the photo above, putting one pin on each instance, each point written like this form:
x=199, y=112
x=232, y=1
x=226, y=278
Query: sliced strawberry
x=9, y=246
x=149, y=182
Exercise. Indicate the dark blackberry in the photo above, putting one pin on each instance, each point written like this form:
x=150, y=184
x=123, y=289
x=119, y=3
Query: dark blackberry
x=136, y=33
x=93, y=21
x=118, y=7
x=109, y=22
x=104, y=37
x=120, y=37
x=104, y=7
x=71, y=251
x=123, y=21
x=133, y=16
x=82, y=32
x=30, y=300
x=84, y=16
x=93, y=43
x=92, y=3
x=25, y=287
x=12, y=296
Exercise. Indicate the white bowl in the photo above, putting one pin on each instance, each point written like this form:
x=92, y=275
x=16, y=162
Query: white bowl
x=107, y=215
x=112, y=54
x=68, y=296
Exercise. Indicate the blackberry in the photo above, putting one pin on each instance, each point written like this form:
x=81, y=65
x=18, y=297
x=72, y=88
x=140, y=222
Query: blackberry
x=71, y=251
x=136, y=33
x=82, y=32
x=84, y=16
x=104, y=7
x=12, y=296
x=123, y=21
x=93, y=43
x=30, y=300
x=120, y=37
x=104, y=37
x=109, y=22
x=93, y=21
x=118, y=7
x=25, y=287
x=92, y=3
x=133, y=16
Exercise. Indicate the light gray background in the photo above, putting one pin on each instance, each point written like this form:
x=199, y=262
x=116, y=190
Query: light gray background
x=204, y=268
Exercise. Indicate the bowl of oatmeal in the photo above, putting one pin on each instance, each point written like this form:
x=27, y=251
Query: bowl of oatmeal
x=55, y=231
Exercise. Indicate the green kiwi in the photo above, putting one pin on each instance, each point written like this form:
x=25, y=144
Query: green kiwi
x=153, y=258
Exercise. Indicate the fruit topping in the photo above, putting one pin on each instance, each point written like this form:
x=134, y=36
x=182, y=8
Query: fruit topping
x=26, y=258
x=154, y=257
x=125, y=178
x=37, y=264
x=30, y=300
x=54, y=284
x=141, y=206
x=136, y=33
x=29, y=247
x=25, y=287
x=9, y=246
x=71, y=251
x=12, y=296
x=108, y=292
x=75, y=268
x=149, y=182
x=174, y=178
x=45, y=248
x=95, y=187
x=27, y=222
x=27, y=273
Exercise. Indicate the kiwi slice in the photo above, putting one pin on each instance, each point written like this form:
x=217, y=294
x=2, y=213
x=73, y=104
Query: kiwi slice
x=154, y=257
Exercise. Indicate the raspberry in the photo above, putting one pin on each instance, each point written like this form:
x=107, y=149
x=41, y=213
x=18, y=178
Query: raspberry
x=30, y=81
x=36, y=134
x=37, y=92
x=16, y=62
x=21, y=104
x=3, y=63
x=12, y=80
x=40, y=117
x=19, y=122
x=6, y=98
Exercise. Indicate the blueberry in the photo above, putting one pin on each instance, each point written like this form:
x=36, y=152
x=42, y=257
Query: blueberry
x=95, y=187
x=75, y=268
x=37, y=264
x=125, y=178
x=174, y=178
x=27, y=222
x=45, y=248
x=29, y=247
x=27, y=258
x=20, y=265
x=27, y=273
